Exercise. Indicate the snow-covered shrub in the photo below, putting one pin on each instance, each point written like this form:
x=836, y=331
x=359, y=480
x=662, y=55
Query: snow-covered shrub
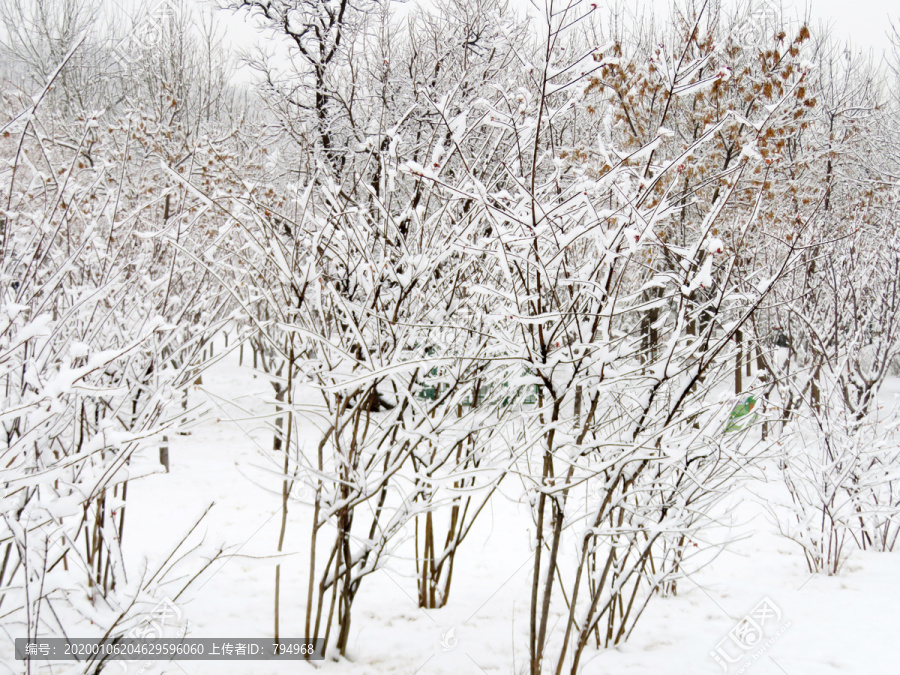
x=100, y=326
x=841, y=476
x=841, y=470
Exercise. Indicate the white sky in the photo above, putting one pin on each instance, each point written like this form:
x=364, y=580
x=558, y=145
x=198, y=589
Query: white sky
x=864, y=22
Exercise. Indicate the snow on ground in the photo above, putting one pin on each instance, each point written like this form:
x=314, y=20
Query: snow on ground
x=818, y=625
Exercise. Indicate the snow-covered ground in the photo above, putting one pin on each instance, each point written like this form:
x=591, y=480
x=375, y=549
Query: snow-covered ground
x=815, y=625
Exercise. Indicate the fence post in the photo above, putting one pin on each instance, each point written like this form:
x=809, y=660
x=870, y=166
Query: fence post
x=164, y=453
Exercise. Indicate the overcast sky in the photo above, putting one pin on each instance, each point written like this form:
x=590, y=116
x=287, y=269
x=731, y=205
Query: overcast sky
x=864, y=22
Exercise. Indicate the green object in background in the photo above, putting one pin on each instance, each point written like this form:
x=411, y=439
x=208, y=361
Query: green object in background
x=430, y=389
x=738, y=419
x=529, y=393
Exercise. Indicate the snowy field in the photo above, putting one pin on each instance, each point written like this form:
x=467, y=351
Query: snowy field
x=844, y=624
x=475, y=340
